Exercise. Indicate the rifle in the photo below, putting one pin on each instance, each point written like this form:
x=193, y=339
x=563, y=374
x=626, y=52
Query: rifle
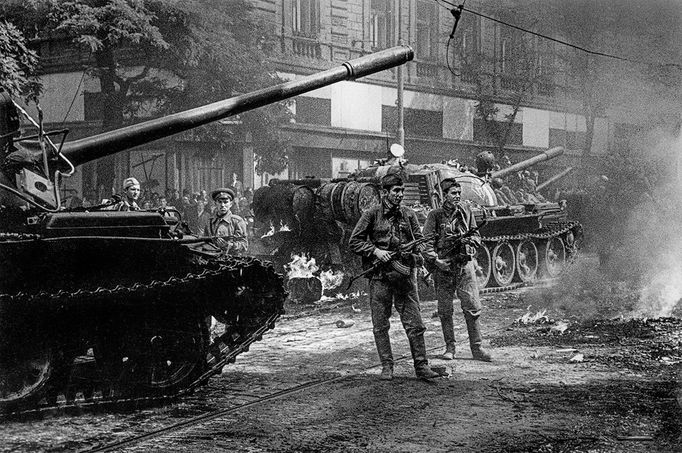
x=457, y=238
x=407, y=248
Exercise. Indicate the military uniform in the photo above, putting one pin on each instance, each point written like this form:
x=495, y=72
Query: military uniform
x=227, y=225
x=448, y=221
x=386, y=227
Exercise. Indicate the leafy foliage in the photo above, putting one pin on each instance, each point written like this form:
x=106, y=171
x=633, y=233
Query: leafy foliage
x=160, y=56
x=17, y=63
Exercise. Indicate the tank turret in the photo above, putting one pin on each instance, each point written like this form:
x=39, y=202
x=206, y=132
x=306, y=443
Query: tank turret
x=115, y=306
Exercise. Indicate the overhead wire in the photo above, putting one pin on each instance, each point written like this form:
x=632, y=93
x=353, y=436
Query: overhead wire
x=565, y=43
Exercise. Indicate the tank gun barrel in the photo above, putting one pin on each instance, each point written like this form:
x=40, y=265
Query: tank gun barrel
x=107, y=143
x=554, y=178
x=549, y=154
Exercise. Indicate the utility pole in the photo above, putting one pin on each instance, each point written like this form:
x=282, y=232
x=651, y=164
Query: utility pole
x=401, y=84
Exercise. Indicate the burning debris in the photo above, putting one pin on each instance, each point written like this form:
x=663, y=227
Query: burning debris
x=330, y=279
x=540, y=318
x=301, y=266
x=529, y=318
x=271, y=232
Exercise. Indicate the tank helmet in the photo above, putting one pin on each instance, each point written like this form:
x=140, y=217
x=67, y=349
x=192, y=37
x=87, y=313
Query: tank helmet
x=393, y=177
x=222, y=192
x=485, y=161
x=130, y=182
x=391, y=180
x=447, y=183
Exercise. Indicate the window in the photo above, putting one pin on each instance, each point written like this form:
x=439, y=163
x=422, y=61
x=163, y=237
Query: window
x=488, y=131
x=468, y=52
x=545, y=63
x=306, y=17
x=568, y=139
x=313, y=111
x=381, y=25
x=417, y=122
x=427, y=30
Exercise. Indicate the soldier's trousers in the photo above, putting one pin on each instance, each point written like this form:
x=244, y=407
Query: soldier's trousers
x=401, y=293
x=462, y=283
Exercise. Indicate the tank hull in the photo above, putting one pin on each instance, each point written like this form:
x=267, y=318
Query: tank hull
x=142, y=334
x=522, y=241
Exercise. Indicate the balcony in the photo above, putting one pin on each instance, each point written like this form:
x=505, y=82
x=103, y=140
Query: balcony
x=427, y=69
x=306, y=47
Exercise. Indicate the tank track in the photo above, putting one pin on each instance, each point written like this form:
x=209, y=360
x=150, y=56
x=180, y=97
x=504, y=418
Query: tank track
x=551, y=230
x=556, y=229
x=266, y=293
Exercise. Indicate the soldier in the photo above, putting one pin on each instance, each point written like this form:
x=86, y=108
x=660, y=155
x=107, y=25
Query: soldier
x=381, y=230
x=229, y=229
x=454, y=273
x=131, y=193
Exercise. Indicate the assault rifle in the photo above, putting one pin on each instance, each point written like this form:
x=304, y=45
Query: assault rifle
x=401, y=268
x=457, y=240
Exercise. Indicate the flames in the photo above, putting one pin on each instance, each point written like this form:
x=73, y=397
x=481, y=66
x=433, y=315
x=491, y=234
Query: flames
x=301, y=267
x=331, y=279
x=271, y=232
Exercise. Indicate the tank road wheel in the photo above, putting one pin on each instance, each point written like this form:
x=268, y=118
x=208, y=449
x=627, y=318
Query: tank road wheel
x=503, y=264
x=24, y=375
x=177, y=356
x=482, y=265
x=526, y=260
x=553, y=256
x=158, y=357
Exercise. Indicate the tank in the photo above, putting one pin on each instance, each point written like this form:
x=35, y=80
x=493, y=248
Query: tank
x=98, y=306
x=524, y=237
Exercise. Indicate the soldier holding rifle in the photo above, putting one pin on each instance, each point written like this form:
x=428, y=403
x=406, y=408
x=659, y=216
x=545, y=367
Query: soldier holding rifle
x=378, y=237
x=450, y=254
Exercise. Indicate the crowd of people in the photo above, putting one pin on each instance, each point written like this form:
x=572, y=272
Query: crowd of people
x=195, y=208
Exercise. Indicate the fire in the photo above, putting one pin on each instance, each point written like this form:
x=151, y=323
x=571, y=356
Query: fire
x=330, y=279
x=664, y=291
x=301, y=267
x=539, y=318
x=283, y=226
x=270, y=232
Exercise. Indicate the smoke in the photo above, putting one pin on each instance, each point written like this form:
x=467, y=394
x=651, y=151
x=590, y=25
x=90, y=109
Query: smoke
x=632, y=266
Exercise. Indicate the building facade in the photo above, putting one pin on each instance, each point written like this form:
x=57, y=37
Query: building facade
x=340, y=128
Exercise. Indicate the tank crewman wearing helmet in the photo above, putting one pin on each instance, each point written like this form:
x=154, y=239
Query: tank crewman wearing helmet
x=131, y=193
x=229, y=229
x=381, y=230
x=453, y=267
x=485, y=163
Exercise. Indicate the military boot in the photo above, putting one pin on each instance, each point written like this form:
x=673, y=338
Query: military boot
x=421, y=364
x=383, y=342
x=386, y=373
x=448, y=327
x=475, y=340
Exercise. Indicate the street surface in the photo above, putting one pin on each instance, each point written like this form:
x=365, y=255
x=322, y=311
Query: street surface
x=623, y=395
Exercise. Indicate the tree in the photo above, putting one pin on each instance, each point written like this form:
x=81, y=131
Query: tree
x=507, y=74
x=214, y=48
x=17, y=63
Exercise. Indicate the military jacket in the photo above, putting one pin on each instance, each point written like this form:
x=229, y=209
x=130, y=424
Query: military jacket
x=230, y=225
x=442, y=223
x=385, y=228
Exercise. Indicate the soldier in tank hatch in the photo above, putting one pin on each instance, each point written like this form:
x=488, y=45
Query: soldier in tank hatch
x=229, y=229
x=450, y=256
x=380, y=231
x=131, y=193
